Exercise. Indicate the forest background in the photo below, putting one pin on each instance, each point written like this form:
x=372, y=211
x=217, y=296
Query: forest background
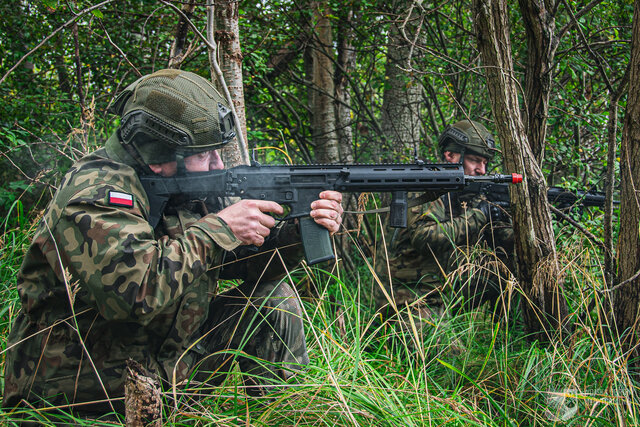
x=326, y=81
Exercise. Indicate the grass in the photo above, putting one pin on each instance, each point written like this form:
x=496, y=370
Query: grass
x=460, y=368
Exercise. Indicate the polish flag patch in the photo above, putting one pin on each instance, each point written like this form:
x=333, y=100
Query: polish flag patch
x=117, y=198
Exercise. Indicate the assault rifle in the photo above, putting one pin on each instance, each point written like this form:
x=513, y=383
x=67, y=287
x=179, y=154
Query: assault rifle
x=296, y=186
x=498, y=195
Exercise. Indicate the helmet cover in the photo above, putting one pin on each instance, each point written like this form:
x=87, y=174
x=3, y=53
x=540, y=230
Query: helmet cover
x=172, y=111
x=467, y=137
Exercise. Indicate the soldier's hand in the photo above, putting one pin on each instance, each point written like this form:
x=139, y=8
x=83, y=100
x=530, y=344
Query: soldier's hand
x=249, y=222
x=430, y=196
x=499, y=214
x=327, y=211
x=483, y=205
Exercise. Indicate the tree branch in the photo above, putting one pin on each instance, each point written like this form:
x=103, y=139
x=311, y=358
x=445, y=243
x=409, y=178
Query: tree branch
x=50, y=36
x=579, y=226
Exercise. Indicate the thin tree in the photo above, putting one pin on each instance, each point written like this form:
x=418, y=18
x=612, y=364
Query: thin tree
x=323, y=116
x=540, y=24
x=239, y=153
x=227, y=34
x=545, y=309
x=627, y=292
x=346, y=64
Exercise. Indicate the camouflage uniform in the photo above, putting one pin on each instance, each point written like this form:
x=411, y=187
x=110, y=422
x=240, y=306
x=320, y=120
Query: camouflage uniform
x=432, y=246
x=98, y=285
x=441, y=233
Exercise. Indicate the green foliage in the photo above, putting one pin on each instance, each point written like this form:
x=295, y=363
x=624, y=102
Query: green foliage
x=462, y=368
x=53, y=83
x=577, y=139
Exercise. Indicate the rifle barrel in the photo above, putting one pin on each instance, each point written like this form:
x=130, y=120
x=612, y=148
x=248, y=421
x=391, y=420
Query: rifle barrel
x=514, y=178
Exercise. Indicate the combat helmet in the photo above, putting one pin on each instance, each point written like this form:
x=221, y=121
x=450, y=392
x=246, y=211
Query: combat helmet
x=467, y=137
x=172, y=114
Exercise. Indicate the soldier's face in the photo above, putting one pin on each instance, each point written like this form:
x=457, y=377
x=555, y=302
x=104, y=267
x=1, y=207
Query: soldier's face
x=201, y=162
x=473, y=165
x=204, y=162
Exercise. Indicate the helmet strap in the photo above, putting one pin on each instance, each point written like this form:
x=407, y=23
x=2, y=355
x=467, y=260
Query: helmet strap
x=132, y=150
x=182, y=170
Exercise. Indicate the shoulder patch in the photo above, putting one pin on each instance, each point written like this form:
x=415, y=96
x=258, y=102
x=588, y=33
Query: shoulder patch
x=118, y=198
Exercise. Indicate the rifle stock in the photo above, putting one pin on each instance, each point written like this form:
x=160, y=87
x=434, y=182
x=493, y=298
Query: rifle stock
x=297, y=186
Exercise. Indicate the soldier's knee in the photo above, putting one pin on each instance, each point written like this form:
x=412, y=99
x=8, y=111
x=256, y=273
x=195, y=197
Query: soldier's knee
x=284, y=290
x=280, y=298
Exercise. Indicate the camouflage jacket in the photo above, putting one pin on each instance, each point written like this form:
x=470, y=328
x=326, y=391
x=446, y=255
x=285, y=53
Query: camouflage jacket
x=424, y=252
x=98, y=285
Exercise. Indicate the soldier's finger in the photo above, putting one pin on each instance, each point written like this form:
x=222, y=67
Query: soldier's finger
x=264, y=231
x=258, y=240
x=329, y=224
x=325, y=213
x=332, y=195
x=268, y=206
x=327, y=204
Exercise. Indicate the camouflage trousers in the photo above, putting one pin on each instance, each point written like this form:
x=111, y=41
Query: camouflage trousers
x=474, y=282
x=428, y=292
x=258, y=326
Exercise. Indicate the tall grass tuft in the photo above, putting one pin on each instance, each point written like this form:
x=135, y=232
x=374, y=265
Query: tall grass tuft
x=456, y=367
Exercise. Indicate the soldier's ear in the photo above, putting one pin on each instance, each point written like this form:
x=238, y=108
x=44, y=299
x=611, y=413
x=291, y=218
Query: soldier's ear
x=451, y=157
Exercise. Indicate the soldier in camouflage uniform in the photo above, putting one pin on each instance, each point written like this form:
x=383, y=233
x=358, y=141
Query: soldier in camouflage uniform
x=99, y=285
x=440, y=233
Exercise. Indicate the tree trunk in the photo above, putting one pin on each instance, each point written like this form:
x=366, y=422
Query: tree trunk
x=178, y=52
x=609, y=180
x=402, y=96
x=540, y=26
x=323, y=120
x=228, y=37
x=346, y=63
x=142, y=397
x=627, y=294
x=545, y=308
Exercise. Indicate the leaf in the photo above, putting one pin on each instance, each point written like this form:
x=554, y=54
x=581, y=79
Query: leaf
x=51, y=4
x=97, y=13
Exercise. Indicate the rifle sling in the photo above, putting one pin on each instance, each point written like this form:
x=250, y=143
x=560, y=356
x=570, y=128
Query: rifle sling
x=426, y=197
